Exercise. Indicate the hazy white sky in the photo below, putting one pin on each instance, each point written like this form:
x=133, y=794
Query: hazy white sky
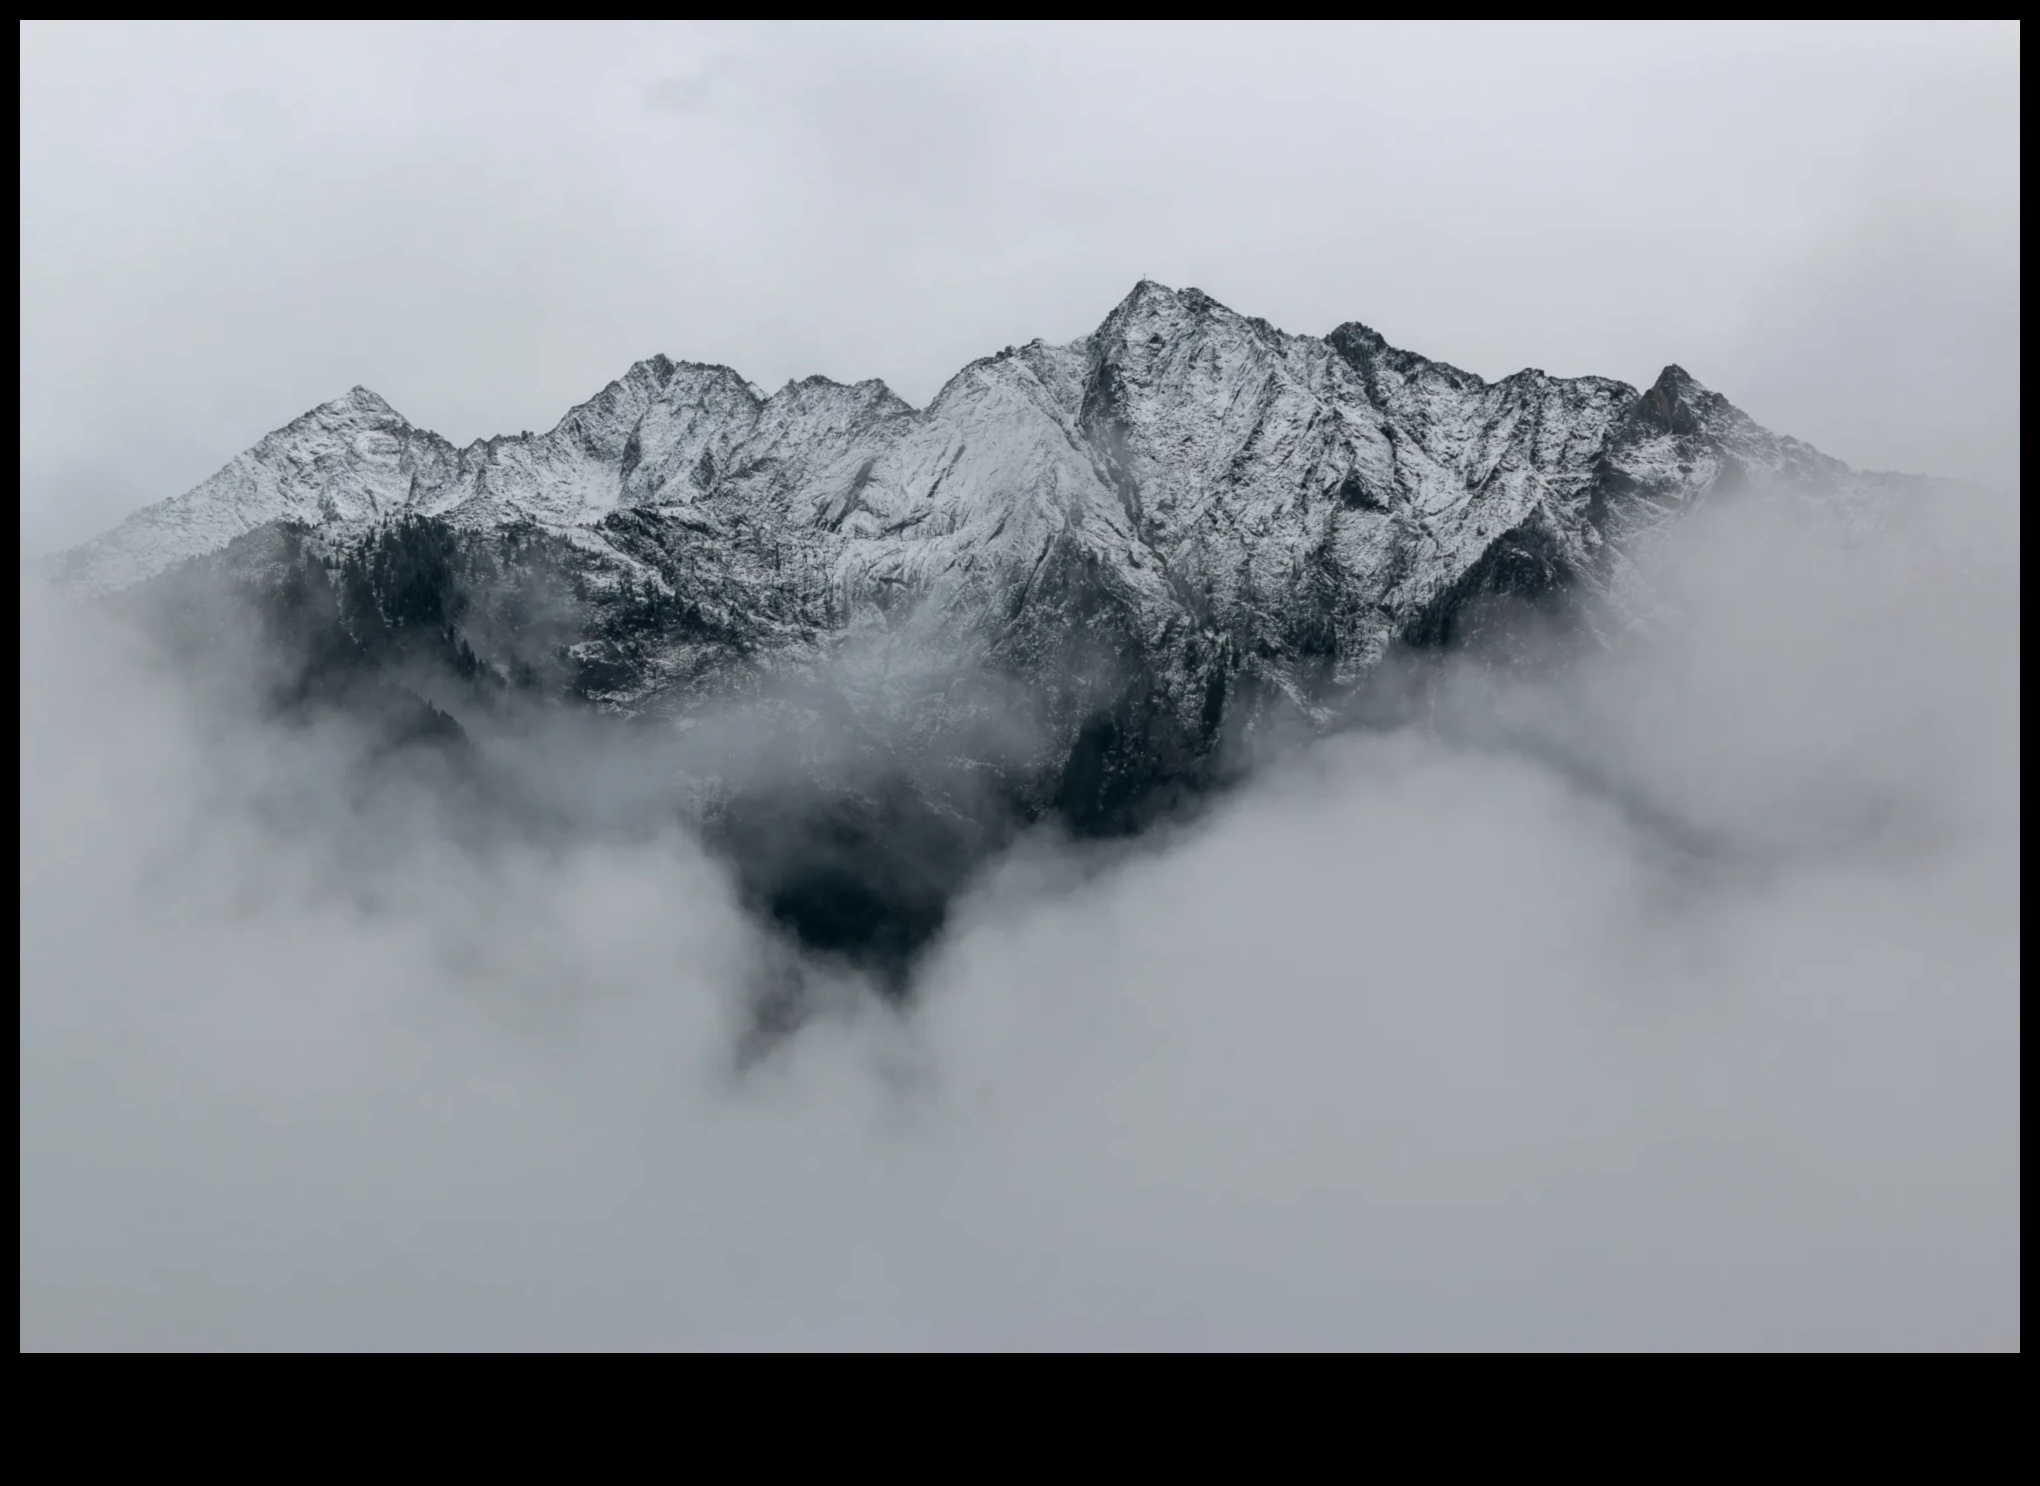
x=224, y=225
x=1418, y=1041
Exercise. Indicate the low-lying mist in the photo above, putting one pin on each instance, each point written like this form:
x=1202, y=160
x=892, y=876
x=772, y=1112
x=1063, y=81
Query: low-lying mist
x=1666, y=995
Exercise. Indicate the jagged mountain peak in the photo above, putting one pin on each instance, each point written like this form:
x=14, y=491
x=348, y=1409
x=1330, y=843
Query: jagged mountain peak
x=1075, y=579
x=1145, y=292
x=1370, y=354
x=1180, y=424
x=1363, y=339
x=819, y=391
x=1675, y=401
x=358, y=407
x=1155, y=309
x=361, y=400
x=1677, y=406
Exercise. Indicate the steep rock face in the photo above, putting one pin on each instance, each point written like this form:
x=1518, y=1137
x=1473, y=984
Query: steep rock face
x=1182, y=500
x=1061, y=586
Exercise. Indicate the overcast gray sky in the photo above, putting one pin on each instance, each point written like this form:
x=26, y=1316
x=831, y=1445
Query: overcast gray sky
x=1411, y=1043
x=225, y=225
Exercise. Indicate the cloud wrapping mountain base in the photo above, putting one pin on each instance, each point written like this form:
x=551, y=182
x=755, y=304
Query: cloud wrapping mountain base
x=867, y=643
x=1667, y=999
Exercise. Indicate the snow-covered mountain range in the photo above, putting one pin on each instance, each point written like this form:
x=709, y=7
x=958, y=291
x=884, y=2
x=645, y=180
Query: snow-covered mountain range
x=1080, y=569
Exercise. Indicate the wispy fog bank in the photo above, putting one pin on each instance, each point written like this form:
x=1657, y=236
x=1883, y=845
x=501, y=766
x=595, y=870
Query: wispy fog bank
x=1671, y=1000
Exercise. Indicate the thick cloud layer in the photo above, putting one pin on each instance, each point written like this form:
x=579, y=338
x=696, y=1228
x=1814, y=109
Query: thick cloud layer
x=1669, y=998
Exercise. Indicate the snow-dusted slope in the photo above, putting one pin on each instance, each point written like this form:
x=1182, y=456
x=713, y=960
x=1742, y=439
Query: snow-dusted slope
x=1185, y=498
x=881, y=636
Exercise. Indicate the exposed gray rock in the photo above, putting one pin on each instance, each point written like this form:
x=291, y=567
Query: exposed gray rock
x=1063, y=586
